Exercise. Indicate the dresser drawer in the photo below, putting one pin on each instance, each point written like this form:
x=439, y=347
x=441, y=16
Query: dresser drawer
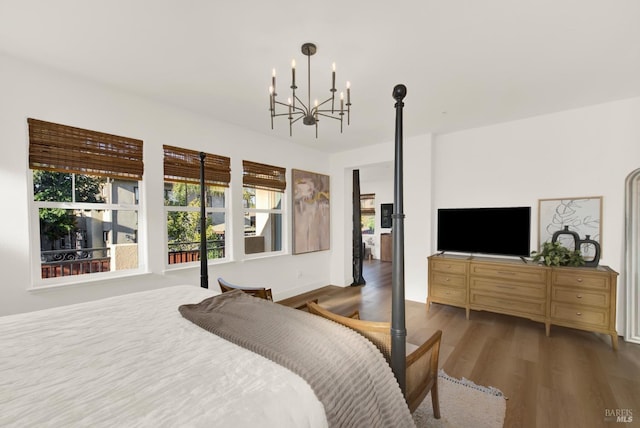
x=444, y=279
x=448, y=266
x=580, y=296
x=500, y=287
x=506, y=304
x=586, y=279
x=514, y=273
x=448, y=294
x=580, y=315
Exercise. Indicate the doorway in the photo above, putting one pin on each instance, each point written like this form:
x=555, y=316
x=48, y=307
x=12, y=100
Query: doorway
x=632, y=256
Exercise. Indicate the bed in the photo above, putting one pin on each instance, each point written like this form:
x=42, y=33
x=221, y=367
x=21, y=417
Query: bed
x=117, y=362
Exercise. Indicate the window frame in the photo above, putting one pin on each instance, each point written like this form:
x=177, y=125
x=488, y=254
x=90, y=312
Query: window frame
x=39, y=283
x=208, y=210
x=260, y=176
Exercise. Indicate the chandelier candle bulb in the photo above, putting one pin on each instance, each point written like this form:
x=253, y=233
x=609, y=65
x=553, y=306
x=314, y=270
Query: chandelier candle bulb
x=348, y=103
x=273, y=80
x=290, y=118
x=333, y=78
x=272, y=105
x=293, y=74
x=333, y=86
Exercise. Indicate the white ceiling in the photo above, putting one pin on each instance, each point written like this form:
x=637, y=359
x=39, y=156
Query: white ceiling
x=465, y=63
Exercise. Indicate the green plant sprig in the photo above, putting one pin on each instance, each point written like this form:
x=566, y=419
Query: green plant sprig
x=555, y=254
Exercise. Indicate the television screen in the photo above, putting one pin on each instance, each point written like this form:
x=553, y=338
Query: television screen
x=499, y=231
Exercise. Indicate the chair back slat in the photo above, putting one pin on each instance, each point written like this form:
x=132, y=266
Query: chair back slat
x=261, y=292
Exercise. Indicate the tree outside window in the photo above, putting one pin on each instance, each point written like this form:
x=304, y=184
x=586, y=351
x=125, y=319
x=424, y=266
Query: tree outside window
x=367, y=213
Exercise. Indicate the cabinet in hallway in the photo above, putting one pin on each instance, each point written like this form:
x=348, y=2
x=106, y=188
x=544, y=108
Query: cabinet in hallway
x=386, y=247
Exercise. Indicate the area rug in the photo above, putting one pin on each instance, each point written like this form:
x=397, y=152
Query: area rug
x=462, y=404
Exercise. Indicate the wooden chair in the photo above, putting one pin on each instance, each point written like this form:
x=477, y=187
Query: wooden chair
x=261, y=292
x=422, y=361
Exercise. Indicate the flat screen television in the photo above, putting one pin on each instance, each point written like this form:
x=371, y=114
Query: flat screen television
x=497, y=231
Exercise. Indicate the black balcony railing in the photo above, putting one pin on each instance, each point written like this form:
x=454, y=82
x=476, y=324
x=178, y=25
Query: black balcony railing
x=55, y=263
x=183, y=252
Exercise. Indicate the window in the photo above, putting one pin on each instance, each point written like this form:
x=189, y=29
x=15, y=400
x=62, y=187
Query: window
x=368, y=213
x=182, y=204
x=263, y=198
x=85, y=211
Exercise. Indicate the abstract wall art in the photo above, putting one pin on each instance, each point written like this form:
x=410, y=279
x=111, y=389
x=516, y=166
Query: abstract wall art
x=311, y=211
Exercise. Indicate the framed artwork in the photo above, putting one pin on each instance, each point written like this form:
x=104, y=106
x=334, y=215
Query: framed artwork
x=385, y=216
x=581, y=215
x=311, y=211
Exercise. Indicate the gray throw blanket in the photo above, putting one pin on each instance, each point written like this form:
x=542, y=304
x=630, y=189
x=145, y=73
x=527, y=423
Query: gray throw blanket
x=348, y=373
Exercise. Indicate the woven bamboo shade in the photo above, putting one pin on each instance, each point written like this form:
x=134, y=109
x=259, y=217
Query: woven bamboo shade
x=261, y=176
x=366, y=204
x=62, y=148
x=183, y=165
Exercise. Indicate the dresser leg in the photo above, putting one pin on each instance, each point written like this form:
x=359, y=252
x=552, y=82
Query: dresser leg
x=614, y=341
x=547, y=329
x=467, y=310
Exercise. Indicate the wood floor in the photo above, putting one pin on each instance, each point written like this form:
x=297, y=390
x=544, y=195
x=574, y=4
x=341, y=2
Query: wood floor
x=570, y=379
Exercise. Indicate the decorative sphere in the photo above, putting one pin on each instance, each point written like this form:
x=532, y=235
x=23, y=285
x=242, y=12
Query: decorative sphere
x=399, y=92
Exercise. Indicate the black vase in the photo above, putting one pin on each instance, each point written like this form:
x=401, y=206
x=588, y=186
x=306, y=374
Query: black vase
x=566, y=231
x=596, y=245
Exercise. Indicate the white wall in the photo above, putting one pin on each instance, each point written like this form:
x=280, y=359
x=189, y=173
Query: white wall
x=32, y=91
x=582, y=152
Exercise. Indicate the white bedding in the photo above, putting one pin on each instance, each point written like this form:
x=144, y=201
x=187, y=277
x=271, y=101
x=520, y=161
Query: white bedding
x=106, y=364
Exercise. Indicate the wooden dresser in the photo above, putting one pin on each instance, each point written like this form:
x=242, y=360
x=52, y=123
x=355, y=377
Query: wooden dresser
x=386, y=245
x=582, y=298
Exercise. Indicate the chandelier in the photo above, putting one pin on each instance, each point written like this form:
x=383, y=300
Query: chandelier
x=296, y=109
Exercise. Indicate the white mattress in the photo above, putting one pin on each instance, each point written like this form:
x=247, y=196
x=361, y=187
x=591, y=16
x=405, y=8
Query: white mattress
x=115, y=362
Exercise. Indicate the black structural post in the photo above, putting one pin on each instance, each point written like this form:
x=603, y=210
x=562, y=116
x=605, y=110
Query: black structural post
x=358, y=252
x=204, y=271
x=398, y=328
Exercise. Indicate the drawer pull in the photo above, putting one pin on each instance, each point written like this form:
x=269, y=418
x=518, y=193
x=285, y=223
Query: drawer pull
x=579, y=296
x=507, y=287
x=579, y=314
x=579, y=279
x=446, y=279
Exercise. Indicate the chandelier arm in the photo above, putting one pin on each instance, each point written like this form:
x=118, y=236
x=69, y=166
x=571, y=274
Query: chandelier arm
x=293, y=107
x=298, y=110
x=294, y=110
x=324, y=102
x=328, y=110
x=287, y=114
x=304, y=107
x=297, y=119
